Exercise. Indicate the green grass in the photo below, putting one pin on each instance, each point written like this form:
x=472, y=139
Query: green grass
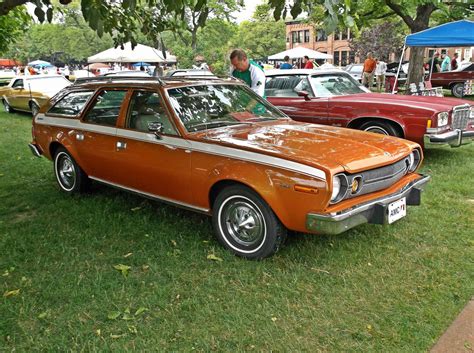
x=386, y=289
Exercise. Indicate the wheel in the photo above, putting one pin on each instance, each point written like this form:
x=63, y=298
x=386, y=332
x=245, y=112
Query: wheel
x=7, y=107
x=34, y=108
x=70, y=177
x=245, y=224
x=458, y=90
x=380, y=127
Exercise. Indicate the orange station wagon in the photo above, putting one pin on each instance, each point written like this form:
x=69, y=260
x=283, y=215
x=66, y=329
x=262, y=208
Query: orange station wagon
x=213, y=146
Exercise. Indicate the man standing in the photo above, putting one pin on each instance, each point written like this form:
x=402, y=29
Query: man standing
x=286, y=65
x=380, y=71
x=454, y=62
x=446, y=63
x=308, y=64
x=368, y=71
x=248, y=71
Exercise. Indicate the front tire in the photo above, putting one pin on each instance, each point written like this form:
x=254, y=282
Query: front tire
x=245, y=224
x=458, y=90
x=70, y=177
x=7, y=107
x=380, y=127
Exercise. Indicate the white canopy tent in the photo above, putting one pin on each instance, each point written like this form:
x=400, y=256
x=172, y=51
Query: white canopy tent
x=299, y=53
x=141, y=53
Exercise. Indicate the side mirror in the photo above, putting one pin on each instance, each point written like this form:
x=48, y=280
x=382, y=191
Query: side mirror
x=156, y=128
x=304, y=94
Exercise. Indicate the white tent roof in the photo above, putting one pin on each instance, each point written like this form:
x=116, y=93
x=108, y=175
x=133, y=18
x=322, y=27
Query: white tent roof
x=141, y=53
x=300, y=52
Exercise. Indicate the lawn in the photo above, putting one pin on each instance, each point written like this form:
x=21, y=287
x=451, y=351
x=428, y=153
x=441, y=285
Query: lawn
x=112, y=271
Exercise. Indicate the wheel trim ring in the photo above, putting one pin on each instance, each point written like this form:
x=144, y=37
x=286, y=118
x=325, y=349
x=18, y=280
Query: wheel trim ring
x=377, y=130
x=458, y=90
x=219, y=216
x=60, y=158
x=34, y=109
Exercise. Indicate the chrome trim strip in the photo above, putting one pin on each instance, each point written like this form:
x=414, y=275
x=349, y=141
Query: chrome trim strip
x=344, y=214
x=153, y=196
x=209, y=148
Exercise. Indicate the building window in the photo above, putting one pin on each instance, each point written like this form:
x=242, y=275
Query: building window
x=336, y=58
x=467, y=54
x=306, y=36
x=444, y=51
x=344, y=58
x=321, y=35
x=351, y=57
x=294, y=37
x=288, y=39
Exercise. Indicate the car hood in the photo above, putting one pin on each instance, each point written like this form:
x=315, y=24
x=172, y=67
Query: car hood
x=433, y=104
x=330, y=148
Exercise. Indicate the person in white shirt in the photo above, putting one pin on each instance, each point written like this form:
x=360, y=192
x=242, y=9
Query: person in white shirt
x=380, y=71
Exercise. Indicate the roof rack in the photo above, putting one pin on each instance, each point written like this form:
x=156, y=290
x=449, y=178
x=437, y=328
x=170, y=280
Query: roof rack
x=117, y=78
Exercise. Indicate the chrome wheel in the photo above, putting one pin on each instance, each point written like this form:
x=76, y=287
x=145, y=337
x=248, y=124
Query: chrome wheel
x=65, y=171
x=242, y=224
x=458, y=90
x=377, y=130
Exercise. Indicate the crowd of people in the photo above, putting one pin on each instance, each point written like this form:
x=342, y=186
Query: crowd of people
x=442, y=62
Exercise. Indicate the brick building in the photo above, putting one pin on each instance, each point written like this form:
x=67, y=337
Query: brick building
x=336, y=44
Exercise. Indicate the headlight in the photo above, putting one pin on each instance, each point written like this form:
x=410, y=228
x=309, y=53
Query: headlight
x=339, y=188
x=414, y=160
x=443, y=119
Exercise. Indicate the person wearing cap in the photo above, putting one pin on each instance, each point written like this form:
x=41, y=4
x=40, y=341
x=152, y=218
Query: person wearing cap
x=247, y=71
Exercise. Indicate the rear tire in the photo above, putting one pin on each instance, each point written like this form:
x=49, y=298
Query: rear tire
x=34, y=109
x=245, y=224
x=380, y=127
x=70, y=177
x=458, y=90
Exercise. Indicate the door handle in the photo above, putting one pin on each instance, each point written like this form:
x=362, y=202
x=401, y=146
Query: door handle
x=121, y=145
x=79, y=136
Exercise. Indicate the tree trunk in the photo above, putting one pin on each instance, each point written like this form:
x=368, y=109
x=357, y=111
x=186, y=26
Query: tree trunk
x=194, y=40
x=415, y=69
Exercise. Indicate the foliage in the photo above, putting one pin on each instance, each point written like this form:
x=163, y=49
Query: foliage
x=12, y=27
x=373, y=289
x=381, y=39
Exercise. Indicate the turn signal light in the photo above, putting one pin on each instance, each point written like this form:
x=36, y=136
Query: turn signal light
x=306, y=189
x=428, y=124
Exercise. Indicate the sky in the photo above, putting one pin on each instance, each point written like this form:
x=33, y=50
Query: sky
x=247, y=13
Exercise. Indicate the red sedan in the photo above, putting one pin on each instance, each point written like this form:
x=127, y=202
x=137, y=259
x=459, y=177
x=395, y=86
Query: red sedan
x=333, y=97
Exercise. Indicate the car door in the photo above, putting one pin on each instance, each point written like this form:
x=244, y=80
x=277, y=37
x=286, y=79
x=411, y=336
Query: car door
x=158, y=165
x=282, y=91
x=95, y=136
x=17, y=94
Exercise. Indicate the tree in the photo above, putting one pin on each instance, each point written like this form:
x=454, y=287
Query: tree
x=381, y=39
x=12, y=27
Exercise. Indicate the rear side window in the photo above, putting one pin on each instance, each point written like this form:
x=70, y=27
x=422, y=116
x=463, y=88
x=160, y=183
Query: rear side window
x=106, y=108
x=71, y=104
x=287, y=86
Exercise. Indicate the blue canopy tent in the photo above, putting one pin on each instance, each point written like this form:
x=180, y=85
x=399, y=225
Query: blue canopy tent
x=141, y=64
x=453, y=34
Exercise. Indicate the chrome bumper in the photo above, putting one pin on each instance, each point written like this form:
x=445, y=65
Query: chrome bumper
x=374, y=212
x=454, y=138
x=35, y=150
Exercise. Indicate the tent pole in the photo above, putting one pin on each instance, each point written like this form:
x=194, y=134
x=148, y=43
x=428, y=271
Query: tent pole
x=431, y=66
x=399, y=67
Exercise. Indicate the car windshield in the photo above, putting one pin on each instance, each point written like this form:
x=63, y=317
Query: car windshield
x=334, y=85
x=46, y=84
x=204, y=107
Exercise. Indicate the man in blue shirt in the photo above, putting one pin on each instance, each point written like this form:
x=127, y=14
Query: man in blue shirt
x=286, y=65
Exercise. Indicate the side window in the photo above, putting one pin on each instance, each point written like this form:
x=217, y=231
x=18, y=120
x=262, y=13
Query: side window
x=17, y=83
x=287, y=86
x=106, y=108
x=147, y=107
x=71, y=104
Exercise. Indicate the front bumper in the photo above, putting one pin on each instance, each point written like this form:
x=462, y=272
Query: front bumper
x=35, y=150
x=374, y=212
x=454, y=138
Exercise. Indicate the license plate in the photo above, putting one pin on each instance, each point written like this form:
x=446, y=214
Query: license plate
x=397, y=210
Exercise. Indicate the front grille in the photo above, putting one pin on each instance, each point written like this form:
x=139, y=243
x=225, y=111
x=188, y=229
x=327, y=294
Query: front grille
x=380, y=178
x=461, y=116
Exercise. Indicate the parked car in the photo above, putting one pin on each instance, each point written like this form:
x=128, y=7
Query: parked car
x=6, y=76
x=75, y=74
x=29, y=93
x=355, y=70
x=454, y=80
x=333, y=97
x=220, y=149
